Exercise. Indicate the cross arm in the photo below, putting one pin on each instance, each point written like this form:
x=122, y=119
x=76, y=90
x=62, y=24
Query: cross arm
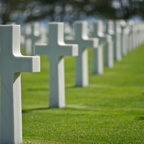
x=69, y=50
x=27, y=64
x=41, y=49
x=91, y=42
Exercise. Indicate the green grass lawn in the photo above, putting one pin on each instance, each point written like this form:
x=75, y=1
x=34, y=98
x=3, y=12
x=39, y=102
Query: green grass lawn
x=110, y=110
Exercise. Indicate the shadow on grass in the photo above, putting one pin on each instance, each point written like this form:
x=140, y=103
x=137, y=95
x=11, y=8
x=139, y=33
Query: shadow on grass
x=140, y=118
x=47, y=89
x=69, y=87
x=74, y=87
x=38, y=89
x=71, y=108
x=34, y=109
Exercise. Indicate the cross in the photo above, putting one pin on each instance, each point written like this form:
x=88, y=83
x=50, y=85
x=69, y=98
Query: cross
x=137, y=34
x=30, y=39
x=124, y=38
x=140, y=33
x=67, y=30
x=129, y=37
x=84, y=42
x=134, y=39
x=109, y=27
x=12, y=63
x=130, y=24
x=56, y=50
x=116, y=38
x=44, y=35
x=106, y=40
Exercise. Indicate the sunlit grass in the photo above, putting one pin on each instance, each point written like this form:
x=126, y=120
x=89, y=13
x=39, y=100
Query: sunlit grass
x=109, y=110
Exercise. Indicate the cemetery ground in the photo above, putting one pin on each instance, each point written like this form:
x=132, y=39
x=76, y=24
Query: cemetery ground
x=109, y=110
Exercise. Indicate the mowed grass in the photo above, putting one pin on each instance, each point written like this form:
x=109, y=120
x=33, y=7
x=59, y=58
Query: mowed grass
x=110, y=110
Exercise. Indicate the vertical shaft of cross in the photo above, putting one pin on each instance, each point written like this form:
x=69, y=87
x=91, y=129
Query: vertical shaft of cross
x=122, y=44
x=125, y=43
x=10, y=119
x=33, y=38
x=56, y=82
x=117, y=41
x=17, y=106
x=117, y=47
x=82, y=68
x=97, y=68
x=108, y=61
x=106, y=40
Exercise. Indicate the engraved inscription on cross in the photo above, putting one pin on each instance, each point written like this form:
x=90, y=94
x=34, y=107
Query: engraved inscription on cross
x=106, y=40
x=12, y=63
x=81, y=38
x=56, y=50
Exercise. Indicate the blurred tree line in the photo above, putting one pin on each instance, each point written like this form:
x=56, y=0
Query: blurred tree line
x=68, y=10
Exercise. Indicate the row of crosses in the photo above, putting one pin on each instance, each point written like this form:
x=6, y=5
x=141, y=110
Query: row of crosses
x=12, y=63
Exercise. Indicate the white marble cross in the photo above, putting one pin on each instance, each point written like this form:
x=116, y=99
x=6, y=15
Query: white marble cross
x=12, y=63
x=141, y=32
x=106, y=40
x=56, y=50
x=117, y=39
x=67, y=30
x=131, y=34
x=81, y=38
x=124, y=38
x=44, y=35
x=111, y=28
x=31, y=38
x=128, y=31
x=137, y=34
